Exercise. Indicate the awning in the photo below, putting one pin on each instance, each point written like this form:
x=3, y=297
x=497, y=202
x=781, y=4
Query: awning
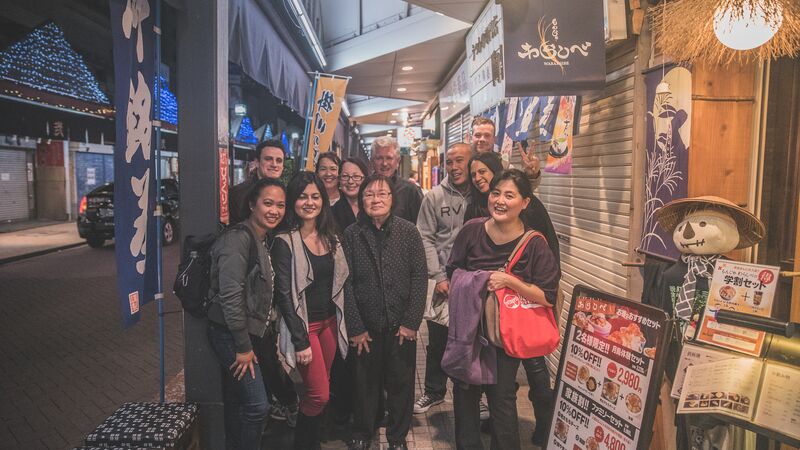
x=258, y=49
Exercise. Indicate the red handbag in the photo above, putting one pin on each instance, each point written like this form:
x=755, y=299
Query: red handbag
x=527, y=329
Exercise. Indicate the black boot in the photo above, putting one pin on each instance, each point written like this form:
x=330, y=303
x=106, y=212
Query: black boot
x=307, y=432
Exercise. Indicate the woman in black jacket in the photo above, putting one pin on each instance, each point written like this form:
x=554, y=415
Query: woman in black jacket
x=241, y=283
x=384, y=302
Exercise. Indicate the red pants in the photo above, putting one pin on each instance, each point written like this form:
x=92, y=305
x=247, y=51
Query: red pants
x=316, y=374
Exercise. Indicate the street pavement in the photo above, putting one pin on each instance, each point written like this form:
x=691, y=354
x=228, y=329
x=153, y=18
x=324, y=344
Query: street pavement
x=19, y=240
x=67, y=362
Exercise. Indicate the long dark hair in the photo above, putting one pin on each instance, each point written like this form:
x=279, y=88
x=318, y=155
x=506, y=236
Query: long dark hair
x=326, y=226
x=372, y=179
x=478, y=206
x=255, y=191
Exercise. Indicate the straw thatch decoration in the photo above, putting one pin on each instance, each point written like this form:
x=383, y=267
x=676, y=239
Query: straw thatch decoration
x=684, y=30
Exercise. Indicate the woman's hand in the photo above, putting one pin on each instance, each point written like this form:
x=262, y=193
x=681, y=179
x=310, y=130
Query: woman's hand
x=405, y=334
x=303, y=356
x=243, y=363
x=500, y=280
x=361, y=342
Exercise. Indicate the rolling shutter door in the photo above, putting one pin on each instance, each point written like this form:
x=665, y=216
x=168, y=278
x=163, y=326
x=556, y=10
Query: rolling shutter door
x=13, y=185
x=591, y=208
x=457, y=128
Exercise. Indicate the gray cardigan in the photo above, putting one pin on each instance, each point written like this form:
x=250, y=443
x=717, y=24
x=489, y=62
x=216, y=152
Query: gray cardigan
x=302, y=276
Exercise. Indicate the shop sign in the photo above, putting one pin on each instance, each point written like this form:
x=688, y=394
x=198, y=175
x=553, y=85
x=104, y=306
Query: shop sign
x=553, y=47
x=741, y=287
x=612, y=361
x=224, y=185
x=406, y=136
x=134, y=188
x=329, y=91
x=485, y=68
x=454, y=96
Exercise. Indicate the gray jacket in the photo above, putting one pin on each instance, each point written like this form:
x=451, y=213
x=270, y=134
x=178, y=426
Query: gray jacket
x=440, y=219
x=241, y=299
x=302, y=276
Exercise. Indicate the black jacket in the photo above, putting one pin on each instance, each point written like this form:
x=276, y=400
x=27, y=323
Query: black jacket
x=407, y=199
x=387, y=286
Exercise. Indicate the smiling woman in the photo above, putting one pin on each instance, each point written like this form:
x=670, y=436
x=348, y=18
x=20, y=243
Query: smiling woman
x=328, y=166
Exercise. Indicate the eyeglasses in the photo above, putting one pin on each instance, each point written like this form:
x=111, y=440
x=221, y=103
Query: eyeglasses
x=356, y=178
x=382, y=195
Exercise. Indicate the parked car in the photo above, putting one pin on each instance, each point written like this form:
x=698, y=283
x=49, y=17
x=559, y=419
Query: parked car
x=96, y=214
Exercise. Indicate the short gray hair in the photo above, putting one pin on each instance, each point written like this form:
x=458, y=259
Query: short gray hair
x=384, y=142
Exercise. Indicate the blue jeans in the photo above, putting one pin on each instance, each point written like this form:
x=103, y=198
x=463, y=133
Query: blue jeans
x=245, y=400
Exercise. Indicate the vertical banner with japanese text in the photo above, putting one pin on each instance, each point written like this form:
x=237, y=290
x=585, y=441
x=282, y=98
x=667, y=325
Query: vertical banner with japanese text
x=224, y=185
x=134, y=166
x=323, y=116
x=553, y=47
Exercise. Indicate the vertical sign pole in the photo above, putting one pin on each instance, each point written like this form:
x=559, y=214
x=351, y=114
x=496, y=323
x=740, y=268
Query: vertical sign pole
x=159, y=257
x=309, y=119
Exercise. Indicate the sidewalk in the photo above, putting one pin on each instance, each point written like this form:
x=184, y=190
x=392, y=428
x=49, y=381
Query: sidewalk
x=19, y=243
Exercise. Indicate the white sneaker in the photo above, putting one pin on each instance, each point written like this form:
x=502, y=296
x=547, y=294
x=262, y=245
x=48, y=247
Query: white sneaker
x=484, y=411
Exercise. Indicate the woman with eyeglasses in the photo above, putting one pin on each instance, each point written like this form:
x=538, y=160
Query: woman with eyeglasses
x=353, y=172
x=310, y=272
x=384, y=302
x=328, y=166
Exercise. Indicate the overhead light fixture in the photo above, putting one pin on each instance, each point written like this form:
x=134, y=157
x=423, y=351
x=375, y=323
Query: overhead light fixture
x=300, y=12
x=240, y=109
x=392, y=121
x=401, y=89
x=407, y=68
x=445, y=108
x=749, y=27
x=438, y=13
x=395, y=114
x=404, y=110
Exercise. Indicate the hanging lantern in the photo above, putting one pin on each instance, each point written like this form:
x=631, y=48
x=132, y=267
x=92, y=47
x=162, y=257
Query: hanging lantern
x=725, y=31
x=748, y=28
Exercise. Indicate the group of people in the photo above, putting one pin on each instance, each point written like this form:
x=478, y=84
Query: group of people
x=319, y=288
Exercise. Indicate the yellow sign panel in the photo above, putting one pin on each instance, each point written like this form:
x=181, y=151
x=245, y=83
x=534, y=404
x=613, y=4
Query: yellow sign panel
x=324, y=116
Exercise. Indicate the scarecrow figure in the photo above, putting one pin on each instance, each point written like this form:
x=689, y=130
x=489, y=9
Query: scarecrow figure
x=703, y=229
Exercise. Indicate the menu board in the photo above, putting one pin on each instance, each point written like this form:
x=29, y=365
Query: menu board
x=779, y=401
x=741, y=287
x=692, y=355
x=727, y=387
x=609, y=373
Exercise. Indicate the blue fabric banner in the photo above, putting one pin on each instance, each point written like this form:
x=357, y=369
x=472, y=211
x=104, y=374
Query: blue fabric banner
x=134, y=165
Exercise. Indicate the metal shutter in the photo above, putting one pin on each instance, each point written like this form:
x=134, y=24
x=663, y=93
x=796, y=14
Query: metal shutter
x=13, y=185
x=457, y=128
x=591, y=208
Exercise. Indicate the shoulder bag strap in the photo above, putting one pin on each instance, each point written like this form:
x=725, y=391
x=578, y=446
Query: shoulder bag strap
x=519, y=249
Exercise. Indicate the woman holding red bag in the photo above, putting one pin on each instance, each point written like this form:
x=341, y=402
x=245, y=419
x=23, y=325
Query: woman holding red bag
x=486, y=244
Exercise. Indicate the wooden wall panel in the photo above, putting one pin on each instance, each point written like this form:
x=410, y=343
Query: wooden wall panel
x=722, y=125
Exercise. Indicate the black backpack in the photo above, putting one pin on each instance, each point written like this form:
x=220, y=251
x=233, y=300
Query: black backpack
x=194, y=271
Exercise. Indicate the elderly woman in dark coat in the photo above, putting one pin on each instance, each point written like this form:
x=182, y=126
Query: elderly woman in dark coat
x=384, y=302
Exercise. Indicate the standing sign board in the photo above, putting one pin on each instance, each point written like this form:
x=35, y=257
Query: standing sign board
x=485, y=60
x=553, y=47
x=612, y=361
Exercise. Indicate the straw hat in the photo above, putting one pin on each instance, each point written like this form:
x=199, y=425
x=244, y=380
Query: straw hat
x=751, y=230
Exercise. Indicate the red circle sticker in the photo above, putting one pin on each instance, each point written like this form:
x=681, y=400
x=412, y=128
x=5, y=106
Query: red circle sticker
x=598, y=433
x=612, y=370
x=766, y=277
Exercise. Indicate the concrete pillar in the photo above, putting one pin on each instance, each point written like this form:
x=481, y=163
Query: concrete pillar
x=203, y=130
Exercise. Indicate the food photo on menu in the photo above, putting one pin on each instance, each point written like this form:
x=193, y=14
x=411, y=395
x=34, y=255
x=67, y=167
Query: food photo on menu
x=618, y=329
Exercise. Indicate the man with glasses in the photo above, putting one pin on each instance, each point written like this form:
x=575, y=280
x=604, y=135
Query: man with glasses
x=385, y=160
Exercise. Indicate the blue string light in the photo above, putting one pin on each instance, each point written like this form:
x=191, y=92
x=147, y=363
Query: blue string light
x=268, y=132
x=245, y=134
x=169, y=104
x=286, y=145
x=44, y=60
